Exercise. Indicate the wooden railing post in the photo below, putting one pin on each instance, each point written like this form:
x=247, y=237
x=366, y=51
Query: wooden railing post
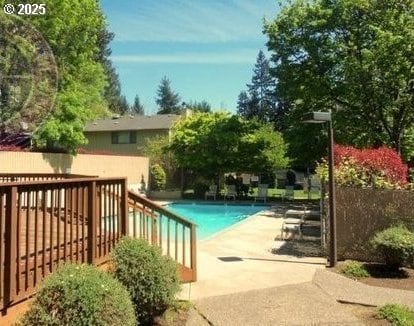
x=10, y=245
x=92, y=220
x=124, y=208
x=193, y=251
x=154, y=229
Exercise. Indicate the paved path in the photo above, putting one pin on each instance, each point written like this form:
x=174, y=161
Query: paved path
x=299, y=304
x=246, y=277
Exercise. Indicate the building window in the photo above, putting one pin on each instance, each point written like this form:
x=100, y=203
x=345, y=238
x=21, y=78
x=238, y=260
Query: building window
x=124, y=137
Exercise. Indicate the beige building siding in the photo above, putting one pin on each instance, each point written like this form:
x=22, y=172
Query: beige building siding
x=102, y=141
x=131, y=167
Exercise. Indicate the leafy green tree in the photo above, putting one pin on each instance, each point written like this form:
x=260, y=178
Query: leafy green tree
x=137, y=107
x=75, y=33
x=216, y=143
x=350, y=57
x=167, y=100
x=27, y=75
x=157, y=149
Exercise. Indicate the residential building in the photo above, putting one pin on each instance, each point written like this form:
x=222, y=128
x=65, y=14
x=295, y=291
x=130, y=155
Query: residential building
x=128, y=134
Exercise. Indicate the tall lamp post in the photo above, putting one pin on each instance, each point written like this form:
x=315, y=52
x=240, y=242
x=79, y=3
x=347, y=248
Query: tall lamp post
x=323, y=117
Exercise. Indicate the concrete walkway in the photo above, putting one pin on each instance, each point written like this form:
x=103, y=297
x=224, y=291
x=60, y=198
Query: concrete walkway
x=246, y=277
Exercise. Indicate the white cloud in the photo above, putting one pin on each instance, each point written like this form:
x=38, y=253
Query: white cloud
x=245, y=56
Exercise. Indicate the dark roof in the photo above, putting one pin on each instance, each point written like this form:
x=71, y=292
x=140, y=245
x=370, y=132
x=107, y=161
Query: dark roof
x=20, y=139
x=136, y=122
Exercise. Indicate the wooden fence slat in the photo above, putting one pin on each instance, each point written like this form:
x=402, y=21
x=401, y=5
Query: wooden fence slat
x=10, y=247
x=92, y=219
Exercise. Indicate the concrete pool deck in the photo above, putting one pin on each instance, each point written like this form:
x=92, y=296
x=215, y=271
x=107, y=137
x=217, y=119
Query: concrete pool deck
x=242, y=258
x=246, y=277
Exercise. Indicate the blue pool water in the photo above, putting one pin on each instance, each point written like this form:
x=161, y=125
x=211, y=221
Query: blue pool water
x=212, y=218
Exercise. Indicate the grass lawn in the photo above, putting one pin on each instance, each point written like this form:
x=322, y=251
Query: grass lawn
x=299, y=194
x=278, y=193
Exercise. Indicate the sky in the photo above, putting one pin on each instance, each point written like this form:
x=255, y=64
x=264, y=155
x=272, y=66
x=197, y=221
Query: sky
x=206, y=48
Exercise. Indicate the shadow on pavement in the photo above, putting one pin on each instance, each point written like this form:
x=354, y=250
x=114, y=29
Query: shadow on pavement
x=300, y=248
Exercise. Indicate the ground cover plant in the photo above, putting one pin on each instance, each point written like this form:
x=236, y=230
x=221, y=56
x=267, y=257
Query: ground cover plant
x=396, y=314
x=80, y=295
x=150, y=277
x=354, y=269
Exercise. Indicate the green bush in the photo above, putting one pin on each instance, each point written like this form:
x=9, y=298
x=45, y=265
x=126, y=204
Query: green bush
x=396, y=245
x=396, y=314
x=80, y=295
x=354, y=269
x=158, y=177
x=200, y=186
x=150, y=278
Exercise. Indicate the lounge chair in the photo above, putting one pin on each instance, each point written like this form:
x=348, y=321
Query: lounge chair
x=230, y=192
x=212, y=192
x=296, y=220
x=261, y=192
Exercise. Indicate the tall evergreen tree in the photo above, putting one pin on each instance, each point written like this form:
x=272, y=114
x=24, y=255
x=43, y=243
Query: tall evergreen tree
x=243, y=104
x=123, y=105
x=137, y=107
x=167, y=100
x=259, y=101
x=202, y=106
x=112, y=92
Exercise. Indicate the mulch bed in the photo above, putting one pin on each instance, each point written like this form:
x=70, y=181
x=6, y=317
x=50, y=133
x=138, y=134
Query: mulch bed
x=383, y=277
x=380, y=276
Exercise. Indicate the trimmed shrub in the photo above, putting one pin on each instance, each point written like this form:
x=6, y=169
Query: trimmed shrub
x=80, y=295
x=396, y=314
x=395, y=245
x=354, y=269
x=150, y=278
x=158, y=177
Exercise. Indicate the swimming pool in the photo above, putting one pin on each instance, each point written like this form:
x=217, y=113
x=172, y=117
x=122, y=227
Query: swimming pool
x=212, y=218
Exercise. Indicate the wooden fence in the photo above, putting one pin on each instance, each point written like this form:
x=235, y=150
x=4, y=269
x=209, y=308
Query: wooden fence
x=47, y=222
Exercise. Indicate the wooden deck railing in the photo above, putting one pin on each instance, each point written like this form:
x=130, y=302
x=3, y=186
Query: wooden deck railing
x=22, y=177
x=45, y=223
x=175, y=235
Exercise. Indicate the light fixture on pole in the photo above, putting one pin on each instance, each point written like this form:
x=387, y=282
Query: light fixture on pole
x=322, y=117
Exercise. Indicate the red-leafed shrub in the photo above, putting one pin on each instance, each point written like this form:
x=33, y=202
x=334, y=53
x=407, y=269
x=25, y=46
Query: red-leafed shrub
x=379, y=168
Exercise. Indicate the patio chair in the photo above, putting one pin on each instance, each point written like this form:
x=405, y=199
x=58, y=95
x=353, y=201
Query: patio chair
x=295, y=220
x=261, y=192
x=289, y=193
x=212, y=192
x=230, y=192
